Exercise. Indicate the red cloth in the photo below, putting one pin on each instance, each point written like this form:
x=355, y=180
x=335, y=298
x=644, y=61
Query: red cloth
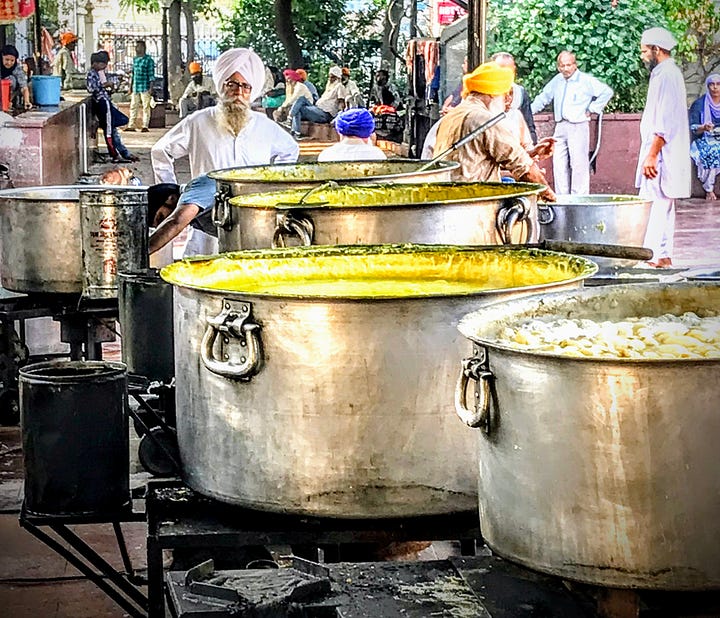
x=12, y=11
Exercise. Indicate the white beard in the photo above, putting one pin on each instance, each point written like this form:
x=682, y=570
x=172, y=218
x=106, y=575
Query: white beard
x=233, y=114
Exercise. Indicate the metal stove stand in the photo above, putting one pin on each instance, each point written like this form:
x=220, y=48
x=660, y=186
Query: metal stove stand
x=120, y=587
x=84, y=324
x=178, y=517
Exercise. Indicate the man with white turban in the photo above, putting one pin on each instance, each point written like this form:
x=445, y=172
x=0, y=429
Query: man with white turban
x=227, y=135
x=497, y=148
x=663, y=172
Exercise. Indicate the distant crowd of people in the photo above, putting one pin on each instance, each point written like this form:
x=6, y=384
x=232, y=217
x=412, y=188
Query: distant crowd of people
x=220, y=126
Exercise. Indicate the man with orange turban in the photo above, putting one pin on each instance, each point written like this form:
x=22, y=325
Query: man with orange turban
x=497, y=148
x=64, y=64
x=199, y=93
x=309, y=85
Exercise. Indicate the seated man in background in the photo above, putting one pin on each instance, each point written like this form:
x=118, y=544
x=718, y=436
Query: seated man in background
x=332, y=101
x=354, y=97
x=294, y=89
x=355, y=127
x=309, y=85
x=199, y=93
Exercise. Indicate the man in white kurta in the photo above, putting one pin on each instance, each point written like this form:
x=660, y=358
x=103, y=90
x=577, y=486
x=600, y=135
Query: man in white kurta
x=574, y=95
x=227, y=135
x=663, y=172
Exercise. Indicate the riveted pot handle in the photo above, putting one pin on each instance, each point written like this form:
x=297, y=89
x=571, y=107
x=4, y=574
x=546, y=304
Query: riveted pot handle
x=288, y=224
x=515, y=211
x=221, y=210
x=546, y=214
x=234, y=322
x=479, y=417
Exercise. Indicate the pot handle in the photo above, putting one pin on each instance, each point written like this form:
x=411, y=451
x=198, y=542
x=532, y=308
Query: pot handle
x=515, y=211
x=221, y=210
x=546, y=214
x=234, y=321
x=288, y=224
x=480, y=416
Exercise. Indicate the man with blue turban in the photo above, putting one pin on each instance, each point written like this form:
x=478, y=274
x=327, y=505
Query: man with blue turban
x=355, y=127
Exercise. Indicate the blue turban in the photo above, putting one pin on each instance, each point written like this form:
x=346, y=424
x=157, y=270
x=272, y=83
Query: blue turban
x=357, y=122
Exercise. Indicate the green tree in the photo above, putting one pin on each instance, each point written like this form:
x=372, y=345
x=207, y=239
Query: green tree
x=696, y=24
x=605, y=40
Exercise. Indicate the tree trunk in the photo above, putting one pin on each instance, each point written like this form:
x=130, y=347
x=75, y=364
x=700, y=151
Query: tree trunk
x=391, y=32
x=286, y=32
x=175, y=71
x=187, y=9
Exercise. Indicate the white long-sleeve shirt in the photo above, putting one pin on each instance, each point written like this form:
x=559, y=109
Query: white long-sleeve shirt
x=572, y=98
x=210, y=148
x=193, y=89
x=665, y=114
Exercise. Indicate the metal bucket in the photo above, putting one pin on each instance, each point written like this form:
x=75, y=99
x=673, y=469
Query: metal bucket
x=114, y=237
x=320, y=380
x=439, y=213
x=42, y=241
x=75, y=437
x=604, y=219
x=146, y=323
x=602, y=470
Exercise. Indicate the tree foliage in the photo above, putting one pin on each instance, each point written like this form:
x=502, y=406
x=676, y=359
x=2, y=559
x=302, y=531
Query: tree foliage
x=605, y=40
x=696, y=22
x=326, y=34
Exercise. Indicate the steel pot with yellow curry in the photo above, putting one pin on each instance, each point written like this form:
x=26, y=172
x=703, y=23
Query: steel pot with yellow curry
x=439, y=213
x=320, y=380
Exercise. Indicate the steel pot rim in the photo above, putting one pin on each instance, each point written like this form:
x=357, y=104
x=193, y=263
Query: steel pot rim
x=37, y=193
x=587, y=294
x=620, y=199
x=222, y=174
x=525, y=189
x=586, y=269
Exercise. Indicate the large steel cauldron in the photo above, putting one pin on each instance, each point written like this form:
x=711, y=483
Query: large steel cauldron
x=320, y=380
x=599, y=470
x=605, y=219
x=50, y=244
x=440, y=213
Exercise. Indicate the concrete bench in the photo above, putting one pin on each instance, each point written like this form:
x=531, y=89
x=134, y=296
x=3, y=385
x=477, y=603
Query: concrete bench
x=321, y=132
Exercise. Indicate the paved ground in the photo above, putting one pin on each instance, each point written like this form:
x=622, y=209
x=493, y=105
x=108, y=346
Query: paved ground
x=36, y=582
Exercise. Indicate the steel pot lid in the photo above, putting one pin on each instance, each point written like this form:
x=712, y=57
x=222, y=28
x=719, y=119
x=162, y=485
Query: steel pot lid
x=62, y=193
x=374, y=272
x=387, y=195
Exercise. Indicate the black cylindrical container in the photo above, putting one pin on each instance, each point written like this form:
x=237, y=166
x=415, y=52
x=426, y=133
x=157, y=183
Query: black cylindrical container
x=75, y=437
x=145, y=305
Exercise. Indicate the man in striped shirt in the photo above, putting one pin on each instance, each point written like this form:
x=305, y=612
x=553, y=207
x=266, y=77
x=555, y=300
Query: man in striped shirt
x=142, y=78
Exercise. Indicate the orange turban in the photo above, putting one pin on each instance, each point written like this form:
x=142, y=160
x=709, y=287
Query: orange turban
x=302, y=73
x=489, y=78
x=67, y=37
x=194, y=67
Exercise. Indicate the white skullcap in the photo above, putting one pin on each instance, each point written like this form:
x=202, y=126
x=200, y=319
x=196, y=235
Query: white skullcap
x=243, y=61
x=336, y=71
x=659, y=37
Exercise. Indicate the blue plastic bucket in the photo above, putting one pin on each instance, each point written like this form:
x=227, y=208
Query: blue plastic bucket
x=46, y=89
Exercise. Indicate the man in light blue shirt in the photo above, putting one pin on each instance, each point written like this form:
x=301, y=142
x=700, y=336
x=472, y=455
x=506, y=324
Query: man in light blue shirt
x=575, y=95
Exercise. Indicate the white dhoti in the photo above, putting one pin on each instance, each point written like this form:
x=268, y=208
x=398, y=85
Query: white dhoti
x=661, y=225
x=571, y=165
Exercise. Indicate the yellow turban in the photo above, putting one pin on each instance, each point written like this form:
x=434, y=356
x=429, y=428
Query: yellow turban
x=489, y=78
